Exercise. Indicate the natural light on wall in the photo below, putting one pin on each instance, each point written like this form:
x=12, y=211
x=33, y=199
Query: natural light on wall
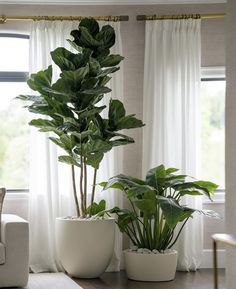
x=213, y=126
x=14, y=129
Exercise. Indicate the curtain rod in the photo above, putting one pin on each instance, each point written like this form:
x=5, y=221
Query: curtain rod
x=182, y=16
x=4, y=19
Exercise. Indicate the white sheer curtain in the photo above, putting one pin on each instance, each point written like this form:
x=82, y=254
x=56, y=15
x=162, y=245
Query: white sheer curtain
x=171, y=113
x=50, y=181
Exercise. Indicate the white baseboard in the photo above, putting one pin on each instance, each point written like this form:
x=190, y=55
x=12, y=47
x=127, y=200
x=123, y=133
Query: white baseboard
x=207, y=260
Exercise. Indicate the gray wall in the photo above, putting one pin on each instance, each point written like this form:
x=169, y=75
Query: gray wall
x=133, y=37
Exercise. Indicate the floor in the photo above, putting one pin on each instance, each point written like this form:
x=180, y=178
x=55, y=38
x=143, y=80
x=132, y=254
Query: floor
x=202, y=279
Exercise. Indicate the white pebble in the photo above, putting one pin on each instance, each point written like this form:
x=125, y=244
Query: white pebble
x=147, y=251
x=134, y=248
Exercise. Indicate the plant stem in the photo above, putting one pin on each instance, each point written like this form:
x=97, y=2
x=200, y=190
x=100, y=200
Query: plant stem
x=172, y=244
x=137, y=223
x=93, y=189
x=81, y=185
x=85, y=184
x=75, y=192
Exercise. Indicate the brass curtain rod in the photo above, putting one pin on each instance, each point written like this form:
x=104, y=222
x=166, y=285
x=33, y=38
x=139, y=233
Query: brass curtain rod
x=182, y=16
x=4, y=19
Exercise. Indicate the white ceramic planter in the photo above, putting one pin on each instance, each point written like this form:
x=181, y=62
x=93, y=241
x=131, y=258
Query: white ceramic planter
x=150, y=267
x=85, y=247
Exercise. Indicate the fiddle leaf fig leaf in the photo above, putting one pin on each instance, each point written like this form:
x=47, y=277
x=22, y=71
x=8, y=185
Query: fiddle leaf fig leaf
x=111, y=60
x=68, y=160
x=75, y=46
x=128, y=122
x=86, y=39
x=91, y=24
x=74, y=78
x=41, y=80
x=95, y=208
x=106, y=36
x=63, y=58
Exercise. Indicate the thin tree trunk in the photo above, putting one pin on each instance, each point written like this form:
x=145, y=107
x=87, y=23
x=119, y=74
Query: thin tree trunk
x=93, y=189
x=75, y=192
x=85, y=184
x=81, y=185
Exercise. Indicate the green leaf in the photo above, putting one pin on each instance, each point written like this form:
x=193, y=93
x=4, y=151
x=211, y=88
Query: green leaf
x=211, y=187
x=115, y=113
x=94, y=159
x=86, y=39
x=41, y=80
x=92, y=112
x=128, y=122
x=74, y=45
x=74, y=78
x=94, y=67
x=30, y=97
x=97, y=90
x=107, y=71
x=111, y=60
x=95, y=208
x=120, y=182
x=190, y=192
x=91, y=24
x=42, y=123
x=173, y=211
x=63, y=58
x=106, y=36
x=68, y=160
x=146, y=206
x=171, y=170
x=89, y=83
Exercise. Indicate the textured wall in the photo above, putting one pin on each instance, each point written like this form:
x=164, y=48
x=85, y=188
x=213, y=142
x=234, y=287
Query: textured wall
x=231, y=141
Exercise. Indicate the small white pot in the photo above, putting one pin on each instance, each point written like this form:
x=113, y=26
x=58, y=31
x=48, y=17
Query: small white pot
x=85, y=247
x=150, y=267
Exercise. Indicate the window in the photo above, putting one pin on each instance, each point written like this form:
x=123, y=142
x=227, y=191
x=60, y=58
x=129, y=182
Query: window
x=213, y=126
x=14, y=129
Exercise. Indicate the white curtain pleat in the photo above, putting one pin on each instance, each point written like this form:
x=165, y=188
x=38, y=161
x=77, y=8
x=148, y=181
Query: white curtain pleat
x=171, y=114
x=50, y=181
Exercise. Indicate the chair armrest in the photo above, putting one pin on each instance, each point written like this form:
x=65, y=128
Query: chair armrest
x=15, y=238
x=11, y=224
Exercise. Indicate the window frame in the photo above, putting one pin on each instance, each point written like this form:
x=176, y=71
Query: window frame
x=15, y=76
x=214, y=73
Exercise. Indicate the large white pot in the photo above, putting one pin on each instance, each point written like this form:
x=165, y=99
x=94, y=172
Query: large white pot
x=150, y=267
x=85, y=247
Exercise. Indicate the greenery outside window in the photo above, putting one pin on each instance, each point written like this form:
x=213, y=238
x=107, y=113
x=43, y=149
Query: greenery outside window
x=212, y=166
x=14, y=130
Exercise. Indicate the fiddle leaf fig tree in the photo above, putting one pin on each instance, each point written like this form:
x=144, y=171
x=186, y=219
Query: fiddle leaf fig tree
x=71, y=108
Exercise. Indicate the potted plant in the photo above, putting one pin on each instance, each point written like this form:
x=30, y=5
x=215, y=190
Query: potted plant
x=151, y=222
x=73, y=111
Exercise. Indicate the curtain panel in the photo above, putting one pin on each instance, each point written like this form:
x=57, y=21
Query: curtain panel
x=50, y=181
x=171, y=113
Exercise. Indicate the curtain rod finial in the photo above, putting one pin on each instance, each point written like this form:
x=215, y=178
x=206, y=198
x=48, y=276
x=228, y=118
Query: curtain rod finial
x=3, y=19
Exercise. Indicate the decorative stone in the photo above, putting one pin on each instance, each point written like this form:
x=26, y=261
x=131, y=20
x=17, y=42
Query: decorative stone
x=134, y=248
x=140, y=250
x=147, y=251
x=155, y=251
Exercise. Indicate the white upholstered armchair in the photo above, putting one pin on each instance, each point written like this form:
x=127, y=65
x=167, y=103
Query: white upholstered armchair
x=14, y=251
